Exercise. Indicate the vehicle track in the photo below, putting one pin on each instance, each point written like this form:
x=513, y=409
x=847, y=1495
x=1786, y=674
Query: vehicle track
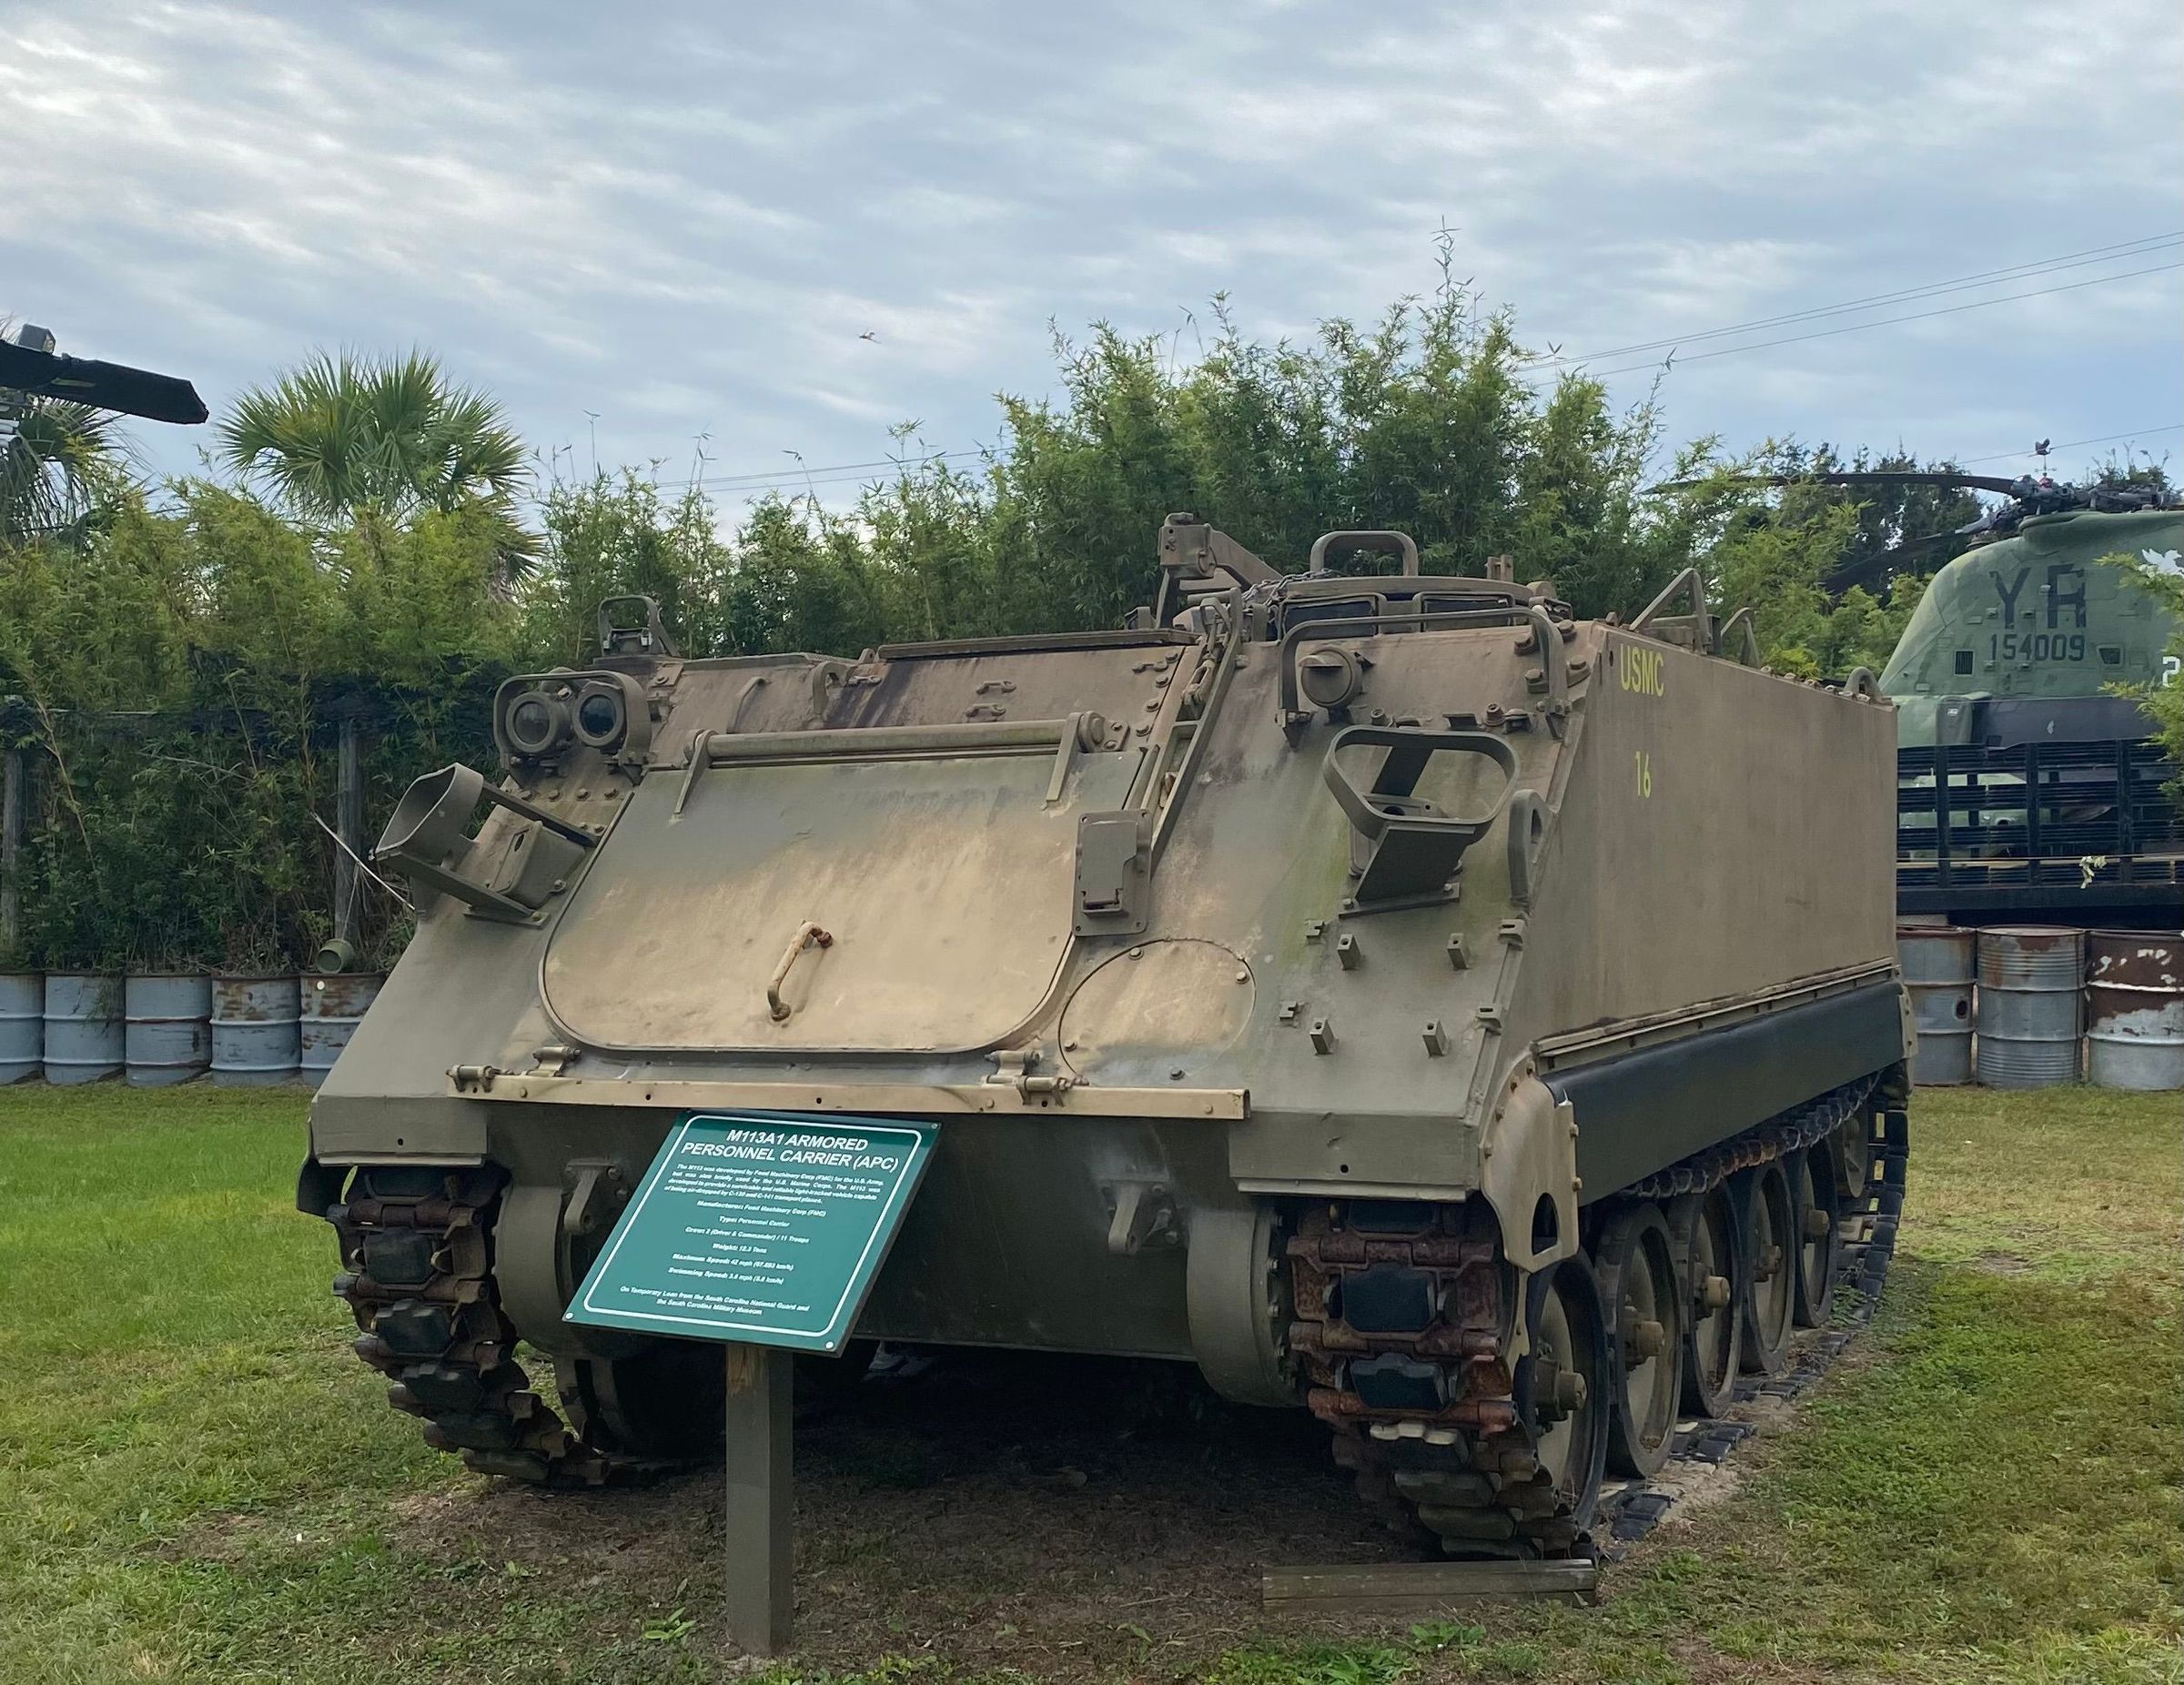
x=1461, y=1465
x=417, y=1253
x=417, y=1256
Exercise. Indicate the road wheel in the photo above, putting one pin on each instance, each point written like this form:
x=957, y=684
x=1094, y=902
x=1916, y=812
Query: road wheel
x=1856, y=1154
x=1769, y=1215
x=1818, y=1209
x=1642, y=1299
x=1562, y=1387
x=1703, y=1228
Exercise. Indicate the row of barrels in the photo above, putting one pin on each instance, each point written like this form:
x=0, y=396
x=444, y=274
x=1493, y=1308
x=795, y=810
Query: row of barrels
x=2029, y=1005
x=164, y=1028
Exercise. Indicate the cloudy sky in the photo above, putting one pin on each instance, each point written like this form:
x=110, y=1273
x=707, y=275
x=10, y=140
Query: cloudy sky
x=641, y=225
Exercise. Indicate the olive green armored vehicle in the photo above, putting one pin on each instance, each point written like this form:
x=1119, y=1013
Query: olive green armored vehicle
x=1396, y=997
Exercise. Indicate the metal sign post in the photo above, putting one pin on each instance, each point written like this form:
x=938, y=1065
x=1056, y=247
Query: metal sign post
x=760, y=1533
x=766, y=1233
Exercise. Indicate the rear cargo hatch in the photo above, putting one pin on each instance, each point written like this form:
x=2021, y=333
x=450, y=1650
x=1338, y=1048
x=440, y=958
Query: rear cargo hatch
x=945, y=883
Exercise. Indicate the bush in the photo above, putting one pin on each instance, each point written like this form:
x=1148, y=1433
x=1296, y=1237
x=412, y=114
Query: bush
x=182, y=676
x=181, y=671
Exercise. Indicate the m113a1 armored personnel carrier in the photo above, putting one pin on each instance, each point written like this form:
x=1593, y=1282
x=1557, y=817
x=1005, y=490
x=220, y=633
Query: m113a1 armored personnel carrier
x=1388, y=992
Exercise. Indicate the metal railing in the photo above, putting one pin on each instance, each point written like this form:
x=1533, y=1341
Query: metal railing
x=2037, y=825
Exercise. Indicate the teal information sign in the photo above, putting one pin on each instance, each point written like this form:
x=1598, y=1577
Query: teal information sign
x=766, y=1229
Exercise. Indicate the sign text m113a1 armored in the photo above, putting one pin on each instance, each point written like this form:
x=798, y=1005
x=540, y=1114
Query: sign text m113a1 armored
x=1394, y=997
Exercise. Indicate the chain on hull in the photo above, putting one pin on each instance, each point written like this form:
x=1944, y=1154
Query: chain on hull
x=417, y=1254
x=1400, y=1309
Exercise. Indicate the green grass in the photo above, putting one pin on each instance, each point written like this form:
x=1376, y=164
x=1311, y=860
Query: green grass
x=195, y=1475
x=197, y=1482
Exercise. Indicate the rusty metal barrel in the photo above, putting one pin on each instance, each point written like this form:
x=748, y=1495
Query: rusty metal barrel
x=332, y=1008
x=2032, y=977
x=21, y=1024
x=83, y=1026
x=168, y=1036
x=2135, y=1009
x=257, y=1031
x=1938, y=970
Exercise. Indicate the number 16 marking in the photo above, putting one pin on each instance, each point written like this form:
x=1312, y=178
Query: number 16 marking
x=1645, y=773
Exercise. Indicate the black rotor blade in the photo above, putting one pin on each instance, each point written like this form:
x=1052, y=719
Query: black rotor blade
x=103, y=386
x=1882, y=563
x=1864, y=571
x=1851, y=477
x=1925, y=538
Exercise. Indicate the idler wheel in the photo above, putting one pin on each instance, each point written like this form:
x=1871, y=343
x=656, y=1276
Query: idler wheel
x=1818, y=1210
x=1643, y=1300
x=1563, y=1395
x=1704, y=1230
x=1769, y=1214
x=667, y=1401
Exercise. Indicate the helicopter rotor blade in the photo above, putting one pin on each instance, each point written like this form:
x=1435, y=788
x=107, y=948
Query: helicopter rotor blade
x=1851, y=477
x=1866, y=569
x=1922, y=540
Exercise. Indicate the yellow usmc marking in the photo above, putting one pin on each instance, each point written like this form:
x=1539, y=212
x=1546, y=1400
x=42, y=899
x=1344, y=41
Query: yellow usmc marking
x=1642, y=670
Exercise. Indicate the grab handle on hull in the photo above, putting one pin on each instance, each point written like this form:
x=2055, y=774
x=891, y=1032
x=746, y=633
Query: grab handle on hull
x=808, y=935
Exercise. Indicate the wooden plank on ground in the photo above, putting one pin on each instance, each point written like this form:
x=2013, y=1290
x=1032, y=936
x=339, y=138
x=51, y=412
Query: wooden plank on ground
x=1423, y=1587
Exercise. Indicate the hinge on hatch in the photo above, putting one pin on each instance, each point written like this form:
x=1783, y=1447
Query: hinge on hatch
x=1016, y=1066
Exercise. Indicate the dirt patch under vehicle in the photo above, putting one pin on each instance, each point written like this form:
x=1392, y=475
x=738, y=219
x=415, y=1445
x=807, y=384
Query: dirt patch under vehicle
x=1060, y=1516
x=1063, y=1517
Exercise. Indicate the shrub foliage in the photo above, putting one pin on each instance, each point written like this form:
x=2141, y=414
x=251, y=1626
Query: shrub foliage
x=181, y=666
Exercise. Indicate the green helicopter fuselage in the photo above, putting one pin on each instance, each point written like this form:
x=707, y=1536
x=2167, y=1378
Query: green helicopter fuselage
x=2041, y=615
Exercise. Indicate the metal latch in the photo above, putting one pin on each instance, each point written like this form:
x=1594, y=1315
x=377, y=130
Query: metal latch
x=1113, y=873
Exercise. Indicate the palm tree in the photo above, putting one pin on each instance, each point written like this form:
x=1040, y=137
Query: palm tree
x=58, y=460
x=342, y=436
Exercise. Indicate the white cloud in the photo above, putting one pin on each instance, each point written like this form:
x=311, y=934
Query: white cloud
x=687, y=225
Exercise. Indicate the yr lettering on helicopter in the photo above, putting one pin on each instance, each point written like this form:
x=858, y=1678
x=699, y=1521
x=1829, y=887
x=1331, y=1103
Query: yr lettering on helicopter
x=2065, y=588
